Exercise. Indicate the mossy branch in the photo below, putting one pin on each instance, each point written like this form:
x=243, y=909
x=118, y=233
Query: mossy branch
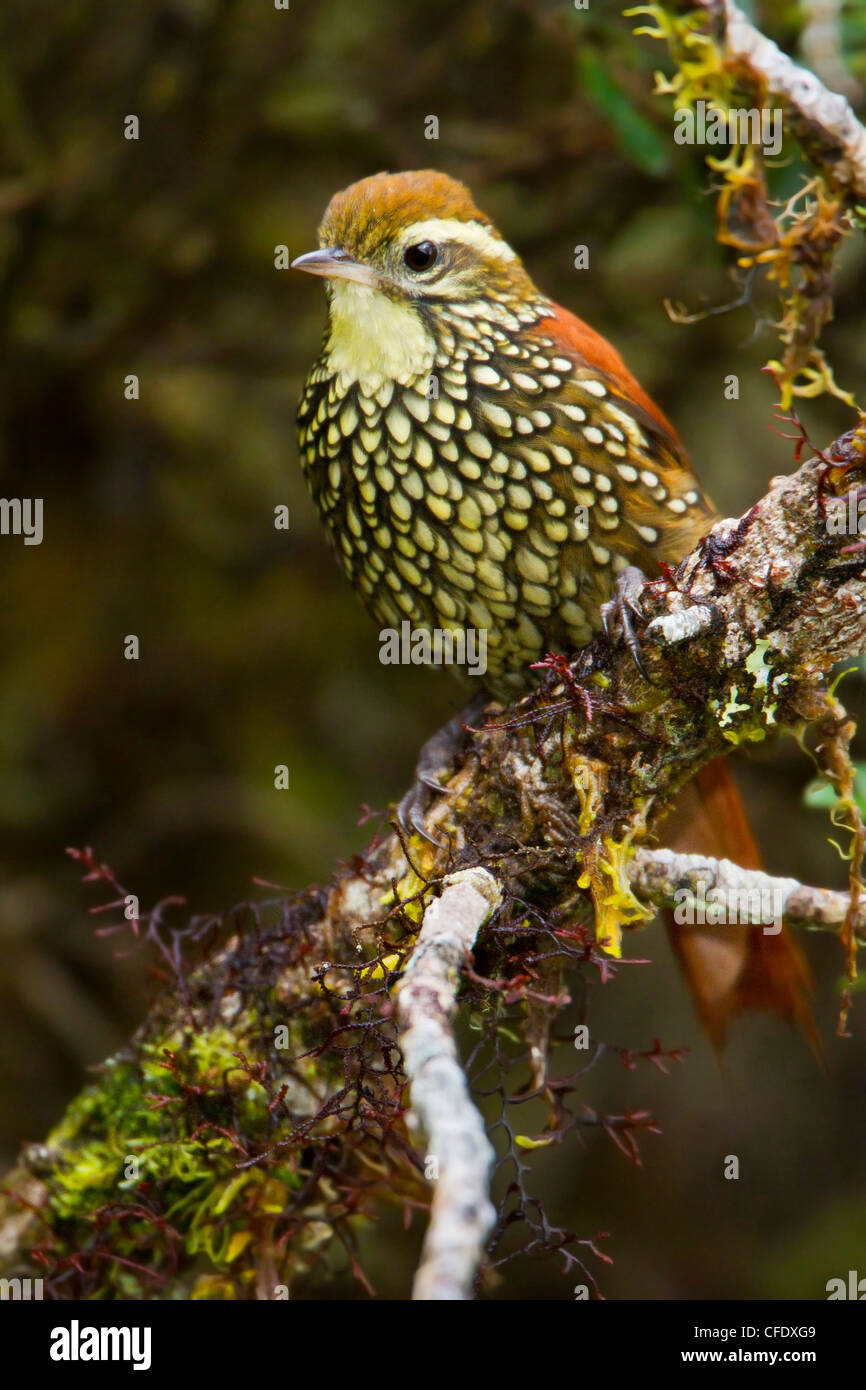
x=726, y=67
x=260, y=1113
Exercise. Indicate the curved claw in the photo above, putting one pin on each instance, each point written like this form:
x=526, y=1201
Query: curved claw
x=438, y=753
x=621, y=611
x=411, y=808
x=432, y=782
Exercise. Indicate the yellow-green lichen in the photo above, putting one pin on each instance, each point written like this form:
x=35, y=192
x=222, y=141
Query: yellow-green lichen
x=605, y=874
x=762, y=712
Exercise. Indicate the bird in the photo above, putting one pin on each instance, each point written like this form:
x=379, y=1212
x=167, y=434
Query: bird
x=484, y=459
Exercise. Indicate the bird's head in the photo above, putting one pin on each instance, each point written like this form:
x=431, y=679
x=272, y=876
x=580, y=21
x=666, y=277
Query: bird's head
x=399, y=251
x=413, y=236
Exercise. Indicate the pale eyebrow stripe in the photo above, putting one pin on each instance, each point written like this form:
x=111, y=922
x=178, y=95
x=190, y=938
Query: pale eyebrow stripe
x=467, y=233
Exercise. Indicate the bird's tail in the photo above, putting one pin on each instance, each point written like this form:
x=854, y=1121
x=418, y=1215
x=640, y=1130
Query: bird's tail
x=732, y=968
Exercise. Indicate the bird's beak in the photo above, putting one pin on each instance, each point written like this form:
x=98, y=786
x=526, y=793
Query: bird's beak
x=335, y=264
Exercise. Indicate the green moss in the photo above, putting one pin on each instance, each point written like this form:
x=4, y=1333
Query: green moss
x=156, y=1143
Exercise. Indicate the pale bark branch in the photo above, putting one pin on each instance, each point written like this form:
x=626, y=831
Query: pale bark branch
x=462, y=1214
x=660, y=875
x=822, y=111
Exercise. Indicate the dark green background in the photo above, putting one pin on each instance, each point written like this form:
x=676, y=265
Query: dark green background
x=156, y=257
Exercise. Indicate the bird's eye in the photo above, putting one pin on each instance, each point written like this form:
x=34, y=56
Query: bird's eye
x=421, y=256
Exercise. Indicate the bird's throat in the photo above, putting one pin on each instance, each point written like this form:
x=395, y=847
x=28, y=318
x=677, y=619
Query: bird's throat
x=373, y=339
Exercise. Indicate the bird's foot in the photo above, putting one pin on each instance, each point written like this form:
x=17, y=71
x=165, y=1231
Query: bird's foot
x=436, y=759
x=623, y=610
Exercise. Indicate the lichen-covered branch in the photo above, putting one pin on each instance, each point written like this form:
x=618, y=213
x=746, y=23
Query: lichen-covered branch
x=235, y=1145
x=739, y=90
x=668, y=879
x=817, y=115
x=462, y=1214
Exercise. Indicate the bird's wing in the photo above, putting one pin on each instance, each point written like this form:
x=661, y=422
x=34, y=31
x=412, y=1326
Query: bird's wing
x=621, y=438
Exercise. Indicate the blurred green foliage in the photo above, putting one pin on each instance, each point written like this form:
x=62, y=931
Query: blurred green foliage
x=155, y=257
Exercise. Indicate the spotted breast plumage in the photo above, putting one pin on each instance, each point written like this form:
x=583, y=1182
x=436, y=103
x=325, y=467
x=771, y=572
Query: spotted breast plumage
x=481, y=457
